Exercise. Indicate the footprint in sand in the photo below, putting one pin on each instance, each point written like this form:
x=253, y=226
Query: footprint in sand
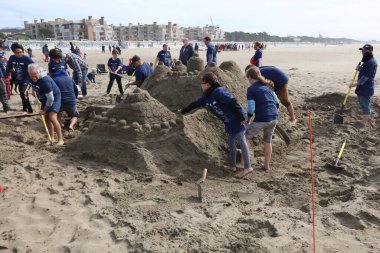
x=348, y=220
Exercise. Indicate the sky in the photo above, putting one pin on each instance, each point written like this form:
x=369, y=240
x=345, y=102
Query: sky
x=331, y=18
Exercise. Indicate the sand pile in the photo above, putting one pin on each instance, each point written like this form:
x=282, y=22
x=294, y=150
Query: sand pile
x=143, y=135
x=195, y=64
x=178, y=89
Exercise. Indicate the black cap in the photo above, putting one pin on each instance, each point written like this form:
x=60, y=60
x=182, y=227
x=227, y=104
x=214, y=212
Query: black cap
x=367, y=47
x=135, y=58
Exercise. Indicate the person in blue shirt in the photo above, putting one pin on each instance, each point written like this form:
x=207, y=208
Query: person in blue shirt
x=211, y=54
x=91, y=77
x=258, y=56
x=49, y=95
x=225, y=107
x=280, y=80
x=263, y=104
x=114, y=66
x=142, y=71
x=57, y=61
x=18, y=65
x=186, y=52
x=365, y=85
x=164, y=56
x=3, y=93
x=69, y=95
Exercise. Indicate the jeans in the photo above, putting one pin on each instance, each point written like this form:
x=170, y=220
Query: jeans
x=241, y=140
x=84, y=85
x=110, y=84
x=365, y=104
x=26, y=107
x=3, y=96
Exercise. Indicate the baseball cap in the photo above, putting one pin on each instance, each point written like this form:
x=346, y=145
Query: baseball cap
x=367, y=47
x=135, y=58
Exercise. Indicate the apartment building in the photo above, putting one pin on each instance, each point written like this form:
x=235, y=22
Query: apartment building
x=198, y=33
x=62, y=29
x=153, y=32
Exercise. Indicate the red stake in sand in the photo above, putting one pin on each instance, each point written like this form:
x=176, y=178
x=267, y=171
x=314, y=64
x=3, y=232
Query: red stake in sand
x=312, y=179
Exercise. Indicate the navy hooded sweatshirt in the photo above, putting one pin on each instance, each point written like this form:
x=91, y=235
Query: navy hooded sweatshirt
x=366, y=78
x=224, y=106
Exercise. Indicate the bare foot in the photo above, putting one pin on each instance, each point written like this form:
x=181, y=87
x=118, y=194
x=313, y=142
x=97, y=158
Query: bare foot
x=293, y=122
x=60, y=143
x=244, y=173
x=48, y=143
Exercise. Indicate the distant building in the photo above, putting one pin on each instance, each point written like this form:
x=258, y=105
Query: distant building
x=62, y=29
x=155, y=32
x=198, y=33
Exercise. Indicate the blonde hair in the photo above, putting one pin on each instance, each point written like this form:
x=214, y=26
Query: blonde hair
x=254, y=73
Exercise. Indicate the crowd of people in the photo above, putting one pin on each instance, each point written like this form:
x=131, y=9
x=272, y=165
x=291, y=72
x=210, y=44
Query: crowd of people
x=58, y=91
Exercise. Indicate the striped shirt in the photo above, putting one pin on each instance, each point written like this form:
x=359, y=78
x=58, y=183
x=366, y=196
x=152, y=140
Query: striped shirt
x=77, y=63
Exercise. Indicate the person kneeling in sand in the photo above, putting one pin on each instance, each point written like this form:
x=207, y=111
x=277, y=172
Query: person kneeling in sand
x=49, y=95
x=225, y=106
x=69, y=95
x=263, y=102
x=280, y=80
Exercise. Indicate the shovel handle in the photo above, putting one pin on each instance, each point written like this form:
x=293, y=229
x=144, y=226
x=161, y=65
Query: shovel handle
x=204, y=175
x=352, y=81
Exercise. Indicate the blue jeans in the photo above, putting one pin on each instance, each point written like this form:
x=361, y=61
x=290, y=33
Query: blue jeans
x=84, y=85
x=241, y=140
x=365, y=104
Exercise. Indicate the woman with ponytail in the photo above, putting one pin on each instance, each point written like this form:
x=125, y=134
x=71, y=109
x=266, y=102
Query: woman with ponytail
x=264, y=104
x=258, y=56
x=225, y=106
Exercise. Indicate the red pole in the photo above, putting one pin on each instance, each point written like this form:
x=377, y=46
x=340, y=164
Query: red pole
x=312, y=179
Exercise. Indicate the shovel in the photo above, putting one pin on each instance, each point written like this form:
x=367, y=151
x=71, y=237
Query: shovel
x=338, y=119
x=340, y=154
x=200, y=183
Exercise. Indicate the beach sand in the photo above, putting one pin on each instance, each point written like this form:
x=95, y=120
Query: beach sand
x=59, y=201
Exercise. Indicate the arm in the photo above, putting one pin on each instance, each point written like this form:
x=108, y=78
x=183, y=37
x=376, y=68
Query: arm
x=49, y=101
x=156, y=62
x=194, y=105
x=78, y=69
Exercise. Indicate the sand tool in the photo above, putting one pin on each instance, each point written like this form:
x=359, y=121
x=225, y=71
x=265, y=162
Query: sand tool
x=200, y=183
x=15, y=116
x=44, y=122
x=338, y=119
x=340, y=153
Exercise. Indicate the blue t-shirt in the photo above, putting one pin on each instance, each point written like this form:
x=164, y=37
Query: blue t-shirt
x=223, y=105
x=44, y=86
x=164, y=56
x=211, y=53
x=54, y=66
x=68, y=89
x=114, y=64
x=257, y=57
x=367, y=73
x=279, y=77
x=142, y=72
x=265, y=102
x=91, y=77
x=20, y=67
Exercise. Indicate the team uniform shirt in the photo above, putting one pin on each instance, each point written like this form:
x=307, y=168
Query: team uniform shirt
x=44, y=86
x=279, y=77
x=68, y=89
x=186, y=53
x=211, y=53
x=55, y=67
x=366, y=78
x=142, y=72
x=263, y=102
x=164, y=56
x=19, y=68
x=224, y=106
x=257, y=58
x=114, y=64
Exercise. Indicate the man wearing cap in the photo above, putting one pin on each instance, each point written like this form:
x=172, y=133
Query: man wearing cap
x=365, y=85
x=142, y=71
x=186, y=52
x=164, y=56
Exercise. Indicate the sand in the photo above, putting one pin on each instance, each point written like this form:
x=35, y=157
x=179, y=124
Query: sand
x=125, y=181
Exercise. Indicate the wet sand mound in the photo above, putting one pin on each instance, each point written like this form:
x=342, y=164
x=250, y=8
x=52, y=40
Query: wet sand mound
x=143, y=135
x=178, y=89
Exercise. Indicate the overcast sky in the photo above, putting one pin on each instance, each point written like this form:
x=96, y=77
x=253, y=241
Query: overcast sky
x=332, y=18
